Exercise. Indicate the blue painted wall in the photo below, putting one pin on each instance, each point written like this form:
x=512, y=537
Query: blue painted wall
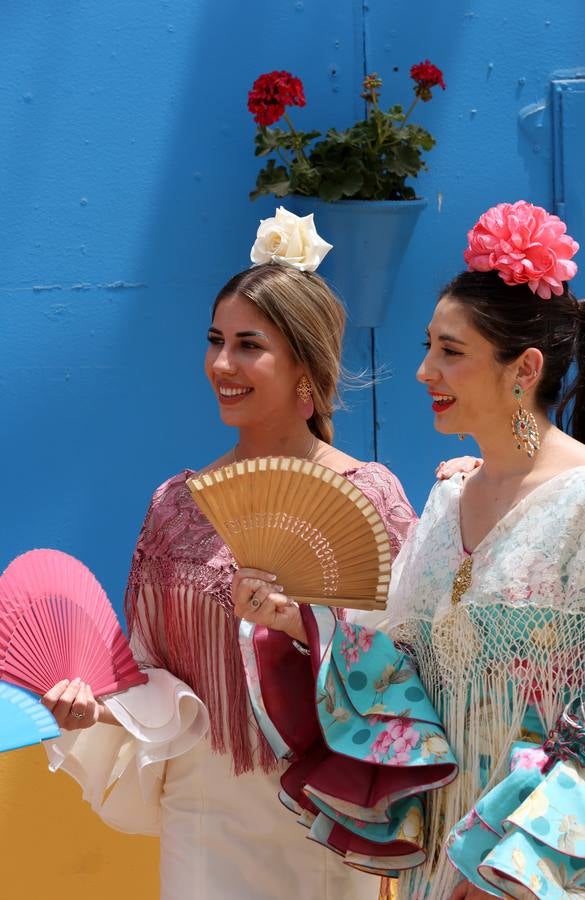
x=125, y=164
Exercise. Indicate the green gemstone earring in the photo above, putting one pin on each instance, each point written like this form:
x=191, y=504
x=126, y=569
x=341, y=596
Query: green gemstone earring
x=524, y=427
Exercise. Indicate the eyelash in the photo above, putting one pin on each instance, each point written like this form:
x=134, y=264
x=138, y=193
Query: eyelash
x=447, y=350
x=246, y=345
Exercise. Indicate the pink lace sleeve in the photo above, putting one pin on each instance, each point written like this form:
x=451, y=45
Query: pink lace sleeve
x=384, y=490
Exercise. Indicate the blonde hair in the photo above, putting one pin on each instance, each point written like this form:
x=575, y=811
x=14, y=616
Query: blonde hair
x=311, y=318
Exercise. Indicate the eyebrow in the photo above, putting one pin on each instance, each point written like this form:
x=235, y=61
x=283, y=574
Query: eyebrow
x=241, y=333
x=447, y=337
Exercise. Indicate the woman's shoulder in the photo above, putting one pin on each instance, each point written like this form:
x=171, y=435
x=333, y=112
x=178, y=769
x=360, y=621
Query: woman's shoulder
x=175, y=526
x=172, y=505
x=176, y=486
x=172, y=488
x=383, y=488
x=371, y=471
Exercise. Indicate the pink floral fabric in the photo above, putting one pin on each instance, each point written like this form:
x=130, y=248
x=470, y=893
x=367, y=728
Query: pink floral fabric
x=356, y=641
x=395, y=743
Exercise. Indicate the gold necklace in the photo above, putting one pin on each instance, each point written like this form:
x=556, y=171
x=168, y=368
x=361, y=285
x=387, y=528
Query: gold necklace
x=308, y=455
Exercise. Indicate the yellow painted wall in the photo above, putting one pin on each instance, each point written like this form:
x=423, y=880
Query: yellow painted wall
x=53, y=847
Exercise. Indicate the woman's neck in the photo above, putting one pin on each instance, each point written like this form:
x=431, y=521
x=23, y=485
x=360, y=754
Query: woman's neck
x=297, y=440
x=503, y=460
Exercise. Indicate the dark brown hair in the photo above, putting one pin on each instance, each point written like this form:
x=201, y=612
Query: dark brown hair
x=513, y=319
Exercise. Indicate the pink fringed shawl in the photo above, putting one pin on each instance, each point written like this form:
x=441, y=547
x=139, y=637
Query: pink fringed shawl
x=179, y=608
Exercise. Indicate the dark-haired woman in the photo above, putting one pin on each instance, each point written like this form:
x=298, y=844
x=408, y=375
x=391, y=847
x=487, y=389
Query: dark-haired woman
x=490, y=596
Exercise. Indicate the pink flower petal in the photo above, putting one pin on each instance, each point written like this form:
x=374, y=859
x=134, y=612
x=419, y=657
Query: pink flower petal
x=525, y=244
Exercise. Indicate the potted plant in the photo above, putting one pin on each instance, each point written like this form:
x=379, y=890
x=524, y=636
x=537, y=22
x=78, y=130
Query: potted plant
x=354, y=180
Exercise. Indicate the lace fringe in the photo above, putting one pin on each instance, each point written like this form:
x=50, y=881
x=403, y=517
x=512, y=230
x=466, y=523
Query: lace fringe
x=483, y=702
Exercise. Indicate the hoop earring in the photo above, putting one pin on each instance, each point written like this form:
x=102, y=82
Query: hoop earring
x=305, y=404
x=524, y=427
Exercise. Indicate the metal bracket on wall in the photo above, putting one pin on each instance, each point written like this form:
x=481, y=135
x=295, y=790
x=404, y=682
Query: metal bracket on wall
x=568, y=135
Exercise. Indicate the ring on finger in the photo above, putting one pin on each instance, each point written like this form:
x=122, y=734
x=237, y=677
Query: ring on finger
x=77, y=715
x=255, y=602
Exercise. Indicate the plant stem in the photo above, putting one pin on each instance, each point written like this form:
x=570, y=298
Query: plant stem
x=409, y=111
x=298, y=147
x=281, y=156
x=378, y=117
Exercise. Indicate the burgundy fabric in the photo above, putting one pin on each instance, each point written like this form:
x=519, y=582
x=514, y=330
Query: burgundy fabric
x=312, y=630
x=189, y=627
x=365, y=784
x=345, y=841
x=288, y=688
x=300, y=771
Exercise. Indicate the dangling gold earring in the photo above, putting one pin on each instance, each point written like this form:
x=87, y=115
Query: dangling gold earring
x=305, y=404
x=524, y=427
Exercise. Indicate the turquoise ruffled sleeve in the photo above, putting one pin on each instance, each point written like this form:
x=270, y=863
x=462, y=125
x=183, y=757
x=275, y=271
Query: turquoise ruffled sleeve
x=358, y=775
x=526, y=837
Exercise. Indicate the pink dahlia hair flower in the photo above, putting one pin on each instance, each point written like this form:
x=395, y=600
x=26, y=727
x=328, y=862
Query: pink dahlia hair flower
x=526, y=245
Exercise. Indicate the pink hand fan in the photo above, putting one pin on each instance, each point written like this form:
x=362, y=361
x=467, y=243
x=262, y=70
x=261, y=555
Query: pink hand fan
x=56, y=622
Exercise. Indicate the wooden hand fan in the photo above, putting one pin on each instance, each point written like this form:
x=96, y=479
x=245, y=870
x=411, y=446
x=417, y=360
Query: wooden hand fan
x=56, y=622
x=23, y=720
x=314, y=529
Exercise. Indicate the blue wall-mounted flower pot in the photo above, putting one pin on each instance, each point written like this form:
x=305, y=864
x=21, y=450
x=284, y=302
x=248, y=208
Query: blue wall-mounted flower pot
x=369, y=240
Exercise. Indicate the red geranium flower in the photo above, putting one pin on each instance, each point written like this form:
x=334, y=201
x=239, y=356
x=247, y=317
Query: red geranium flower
x=427, y=76
x=270, y=95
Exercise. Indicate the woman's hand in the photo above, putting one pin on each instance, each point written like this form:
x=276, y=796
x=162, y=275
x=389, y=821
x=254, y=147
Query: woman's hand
x=258, y=599
x=73, y=705
x=465, y=890
x=465, y=464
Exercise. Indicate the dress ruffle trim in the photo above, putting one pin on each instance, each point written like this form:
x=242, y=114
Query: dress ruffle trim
x=361, y=734
x=526, y=837
x=120, y=769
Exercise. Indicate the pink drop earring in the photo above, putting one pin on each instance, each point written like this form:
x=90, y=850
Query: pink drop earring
x=305, y=403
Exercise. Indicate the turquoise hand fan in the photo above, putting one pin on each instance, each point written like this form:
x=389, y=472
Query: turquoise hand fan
x=23, y=720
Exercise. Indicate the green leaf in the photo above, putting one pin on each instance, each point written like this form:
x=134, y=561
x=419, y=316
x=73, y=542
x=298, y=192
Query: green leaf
x=352, y=183
x=330, y=190
x=272, y=179
x=304, y=179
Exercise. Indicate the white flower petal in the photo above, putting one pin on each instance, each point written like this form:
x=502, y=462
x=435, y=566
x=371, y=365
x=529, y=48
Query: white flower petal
x=289, y=239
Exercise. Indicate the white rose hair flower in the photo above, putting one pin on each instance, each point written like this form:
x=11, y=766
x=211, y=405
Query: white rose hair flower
x=290, y=240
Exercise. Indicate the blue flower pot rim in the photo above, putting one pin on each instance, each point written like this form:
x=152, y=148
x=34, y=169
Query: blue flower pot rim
x=372, y=205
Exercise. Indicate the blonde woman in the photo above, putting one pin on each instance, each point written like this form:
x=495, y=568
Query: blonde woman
x=182, y=756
